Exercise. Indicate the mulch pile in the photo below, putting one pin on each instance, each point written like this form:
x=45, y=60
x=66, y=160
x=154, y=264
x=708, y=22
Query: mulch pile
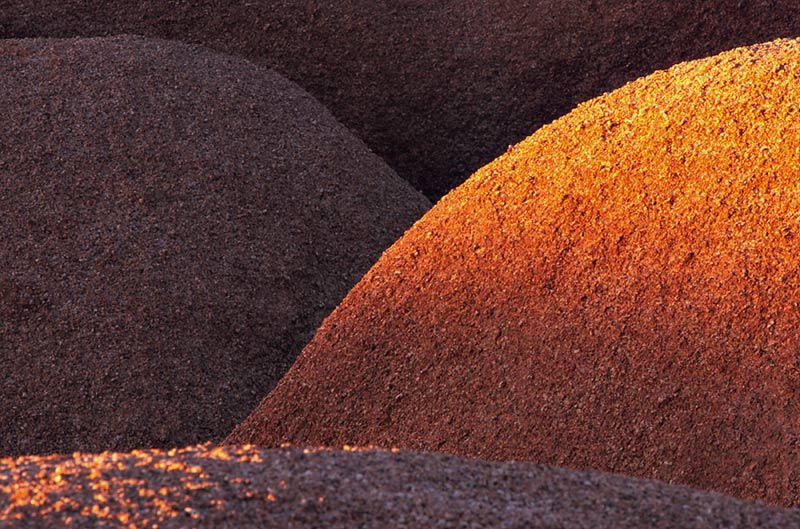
x=175, y=224
x=436, y=88
x=619, y=291
x=244, y=487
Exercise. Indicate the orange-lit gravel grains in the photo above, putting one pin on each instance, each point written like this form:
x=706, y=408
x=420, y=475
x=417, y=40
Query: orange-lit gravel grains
x=619, y=291
x=116, y=489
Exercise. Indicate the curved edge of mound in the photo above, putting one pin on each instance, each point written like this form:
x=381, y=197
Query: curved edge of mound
x=208, y=486
x=617, y=292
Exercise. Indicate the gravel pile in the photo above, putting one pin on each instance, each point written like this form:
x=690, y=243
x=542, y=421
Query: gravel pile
x=244, y=487
x=438, y=89
x=619, y=292
x=175, y=223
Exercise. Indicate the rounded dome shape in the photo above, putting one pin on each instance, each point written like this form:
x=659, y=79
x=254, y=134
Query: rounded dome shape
x=619, y=291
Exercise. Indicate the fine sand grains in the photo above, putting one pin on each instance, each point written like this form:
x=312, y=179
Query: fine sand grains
x=437, y=88
x=619, y=291
x=244, y=487
x=174, y=225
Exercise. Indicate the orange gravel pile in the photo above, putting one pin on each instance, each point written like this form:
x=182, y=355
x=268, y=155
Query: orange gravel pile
x=619, y=291
x=437, y=88
x=244, y=487
x=174, y=224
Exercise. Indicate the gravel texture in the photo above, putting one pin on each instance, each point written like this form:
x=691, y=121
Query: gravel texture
x=244, y=487
x=438, y=89
x=174, y=225
x=619, y=291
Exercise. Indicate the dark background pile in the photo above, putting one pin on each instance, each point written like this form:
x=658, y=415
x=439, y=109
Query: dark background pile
x=437, y=89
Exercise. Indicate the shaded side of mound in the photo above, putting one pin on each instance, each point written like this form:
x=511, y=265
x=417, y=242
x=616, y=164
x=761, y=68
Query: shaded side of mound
x=437, y=89
x=619, y=292
x=245, y=487
x=175, y=225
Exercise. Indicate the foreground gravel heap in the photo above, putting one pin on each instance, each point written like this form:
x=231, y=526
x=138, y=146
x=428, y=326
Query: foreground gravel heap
x=619, y=292
x=436, y=88
x=175, y=225
x=245, y=487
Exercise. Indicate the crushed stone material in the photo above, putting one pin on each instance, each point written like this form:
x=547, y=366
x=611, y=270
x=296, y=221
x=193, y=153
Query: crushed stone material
x=619, y=292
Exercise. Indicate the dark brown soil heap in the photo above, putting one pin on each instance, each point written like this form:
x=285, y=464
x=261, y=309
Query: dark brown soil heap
x=436, y=88
x=245, y=487
x=619, y=292
x=174, y=225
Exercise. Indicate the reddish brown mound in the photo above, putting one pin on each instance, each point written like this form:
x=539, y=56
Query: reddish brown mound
x=175, y=225
x=244, y=487
x=436, y=88
x=619, y=291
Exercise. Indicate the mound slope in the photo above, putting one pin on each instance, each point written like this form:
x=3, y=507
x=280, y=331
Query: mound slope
x=175, y=225
x=246, y=487
x=438, y=89
x=619, y=291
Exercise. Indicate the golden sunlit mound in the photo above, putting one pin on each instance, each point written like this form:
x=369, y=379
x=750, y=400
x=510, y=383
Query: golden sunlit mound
x=620, y=291
x=174, y=224
x=437, y=88
x=245, y=487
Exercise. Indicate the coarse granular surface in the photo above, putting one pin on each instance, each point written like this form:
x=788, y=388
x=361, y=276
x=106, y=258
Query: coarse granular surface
x=619, y=291
x=242, y=487
x=438, y=89
x=174, y=224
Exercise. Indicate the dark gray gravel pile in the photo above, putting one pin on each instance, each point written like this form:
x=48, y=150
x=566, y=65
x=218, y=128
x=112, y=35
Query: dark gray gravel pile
x=174, y=225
